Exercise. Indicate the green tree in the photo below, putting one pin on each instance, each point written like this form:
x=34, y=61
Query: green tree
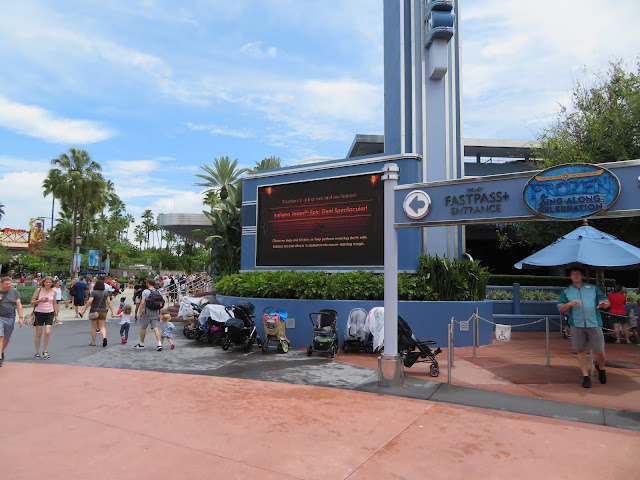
x=1, y=210
x=224, y=237
x=601, y=125
x=73, y=179
x=270, y=163
x=223, y=174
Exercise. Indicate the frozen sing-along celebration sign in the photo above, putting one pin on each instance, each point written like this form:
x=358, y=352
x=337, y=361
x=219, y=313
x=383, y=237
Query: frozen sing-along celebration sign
x=571, y=191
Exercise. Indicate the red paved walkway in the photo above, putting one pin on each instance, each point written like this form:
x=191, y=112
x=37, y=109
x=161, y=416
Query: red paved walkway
x=64, y=422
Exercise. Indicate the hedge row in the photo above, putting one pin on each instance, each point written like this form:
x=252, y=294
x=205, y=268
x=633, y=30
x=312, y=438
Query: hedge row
x=539, y=281
x=436, y=279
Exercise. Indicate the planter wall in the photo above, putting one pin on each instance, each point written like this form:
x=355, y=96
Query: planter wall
x=428, y=320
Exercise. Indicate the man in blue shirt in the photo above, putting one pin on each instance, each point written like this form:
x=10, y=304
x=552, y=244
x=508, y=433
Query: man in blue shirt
x=582, y=301
x=81, y=293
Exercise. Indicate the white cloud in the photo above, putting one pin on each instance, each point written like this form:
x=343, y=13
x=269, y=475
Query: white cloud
x=40, y=123
x=220, y=130
x=21, y=194
x=256, y=50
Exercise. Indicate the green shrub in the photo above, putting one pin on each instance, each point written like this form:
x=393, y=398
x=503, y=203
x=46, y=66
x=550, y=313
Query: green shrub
x=499, y=295
x=26, y=293
x=436, y=279
x=540, y=280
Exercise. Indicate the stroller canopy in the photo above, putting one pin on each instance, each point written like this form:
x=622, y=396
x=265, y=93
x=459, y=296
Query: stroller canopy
x=217, y=313
x=357, y=325
x=376, y=326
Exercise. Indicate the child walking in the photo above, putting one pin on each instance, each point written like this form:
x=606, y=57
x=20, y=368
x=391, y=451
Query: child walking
x=121, y=307
x=125, y=323
x=167, y=329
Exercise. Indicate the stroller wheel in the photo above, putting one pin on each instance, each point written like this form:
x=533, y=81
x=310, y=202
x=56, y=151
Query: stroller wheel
x=248, y=345
x=333, y=351
x=226, y=344
x=309, y=350
x=434, y=371
x=265, y=346
x=284, y=346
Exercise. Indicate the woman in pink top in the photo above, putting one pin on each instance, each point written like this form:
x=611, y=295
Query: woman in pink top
x=46, y=309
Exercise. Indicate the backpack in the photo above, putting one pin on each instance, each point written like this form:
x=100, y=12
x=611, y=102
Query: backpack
x=73, y=290
x=155, y=301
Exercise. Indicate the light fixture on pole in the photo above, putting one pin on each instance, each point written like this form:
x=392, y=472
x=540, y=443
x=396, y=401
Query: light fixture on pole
x=76, y=262
x=108, y=265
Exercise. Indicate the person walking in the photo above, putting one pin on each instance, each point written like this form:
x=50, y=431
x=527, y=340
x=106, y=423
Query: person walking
x=125, y=323
x=149, y=315
x=618, y=313
x=583, y=301
x=99, y=302
x=46, y=310
x=9, y=303
x=137, y=297
x=167, y=329
x=59, y=298
x=80, y=294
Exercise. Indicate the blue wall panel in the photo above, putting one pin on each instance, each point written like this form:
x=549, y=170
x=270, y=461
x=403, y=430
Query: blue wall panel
x=428, y=320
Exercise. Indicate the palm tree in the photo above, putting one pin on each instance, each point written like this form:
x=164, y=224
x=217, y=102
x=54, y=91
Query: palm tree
x=170, y=238
x=223, y=238
x=139, y=235
x=1, y=210
x=73, y=179
x=223, y=174
x=270, y=163
x=148, y=223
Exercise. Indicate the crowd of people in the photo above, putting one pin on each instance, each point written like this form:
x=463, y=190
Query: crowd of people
x=97, y=296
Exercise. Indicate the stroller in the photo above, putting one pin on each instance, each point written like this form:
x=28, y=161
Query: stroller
x=325, y=332
x=274, y=329
x=241, y=329
x=407, y=343
x=190, y=309
x=357, y=335
x=212, y=320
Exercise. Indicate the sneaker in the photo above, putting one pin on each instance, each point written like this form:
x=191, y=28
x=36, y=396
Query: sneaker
x=159, y=348
x=586, y=382
x=138, y=346
x=104, y=342
x=1, y=362
x=124, y=340
x=173, y=345
x=602, y=375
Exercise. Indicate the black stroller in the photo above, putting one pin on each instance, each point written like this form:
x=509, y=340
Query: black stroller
x=325, y=332
x=357, y=335
x=241, y=329
x=407, y=343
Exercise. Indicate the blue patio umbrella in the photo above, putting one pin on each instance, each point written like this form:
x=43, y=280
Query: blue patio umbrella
x=585, y=246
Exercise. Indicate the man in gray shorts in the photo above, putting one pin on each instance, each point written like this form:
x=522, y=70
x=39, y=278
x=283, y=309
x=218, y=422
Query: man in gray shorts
x=9, y=303
x=148, y=317
x=583, y=302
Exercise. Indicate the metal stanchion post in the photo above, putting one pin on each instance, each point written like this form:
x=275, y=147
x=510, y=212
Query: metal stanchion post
x=473, y=339
x=477, y=329
x=453, y=337
x=449, y=352
x=548, y=345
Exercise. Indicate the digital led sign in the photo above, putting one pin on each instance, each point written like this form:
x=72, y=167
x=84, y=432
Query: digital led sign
x=331, y=222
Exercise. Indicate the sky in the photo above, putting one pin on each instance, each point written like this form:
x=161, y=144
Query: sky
x=154, y=89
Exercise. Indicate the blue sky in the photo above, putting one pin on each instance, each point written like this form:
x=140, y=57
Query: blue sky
x=153, y=89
